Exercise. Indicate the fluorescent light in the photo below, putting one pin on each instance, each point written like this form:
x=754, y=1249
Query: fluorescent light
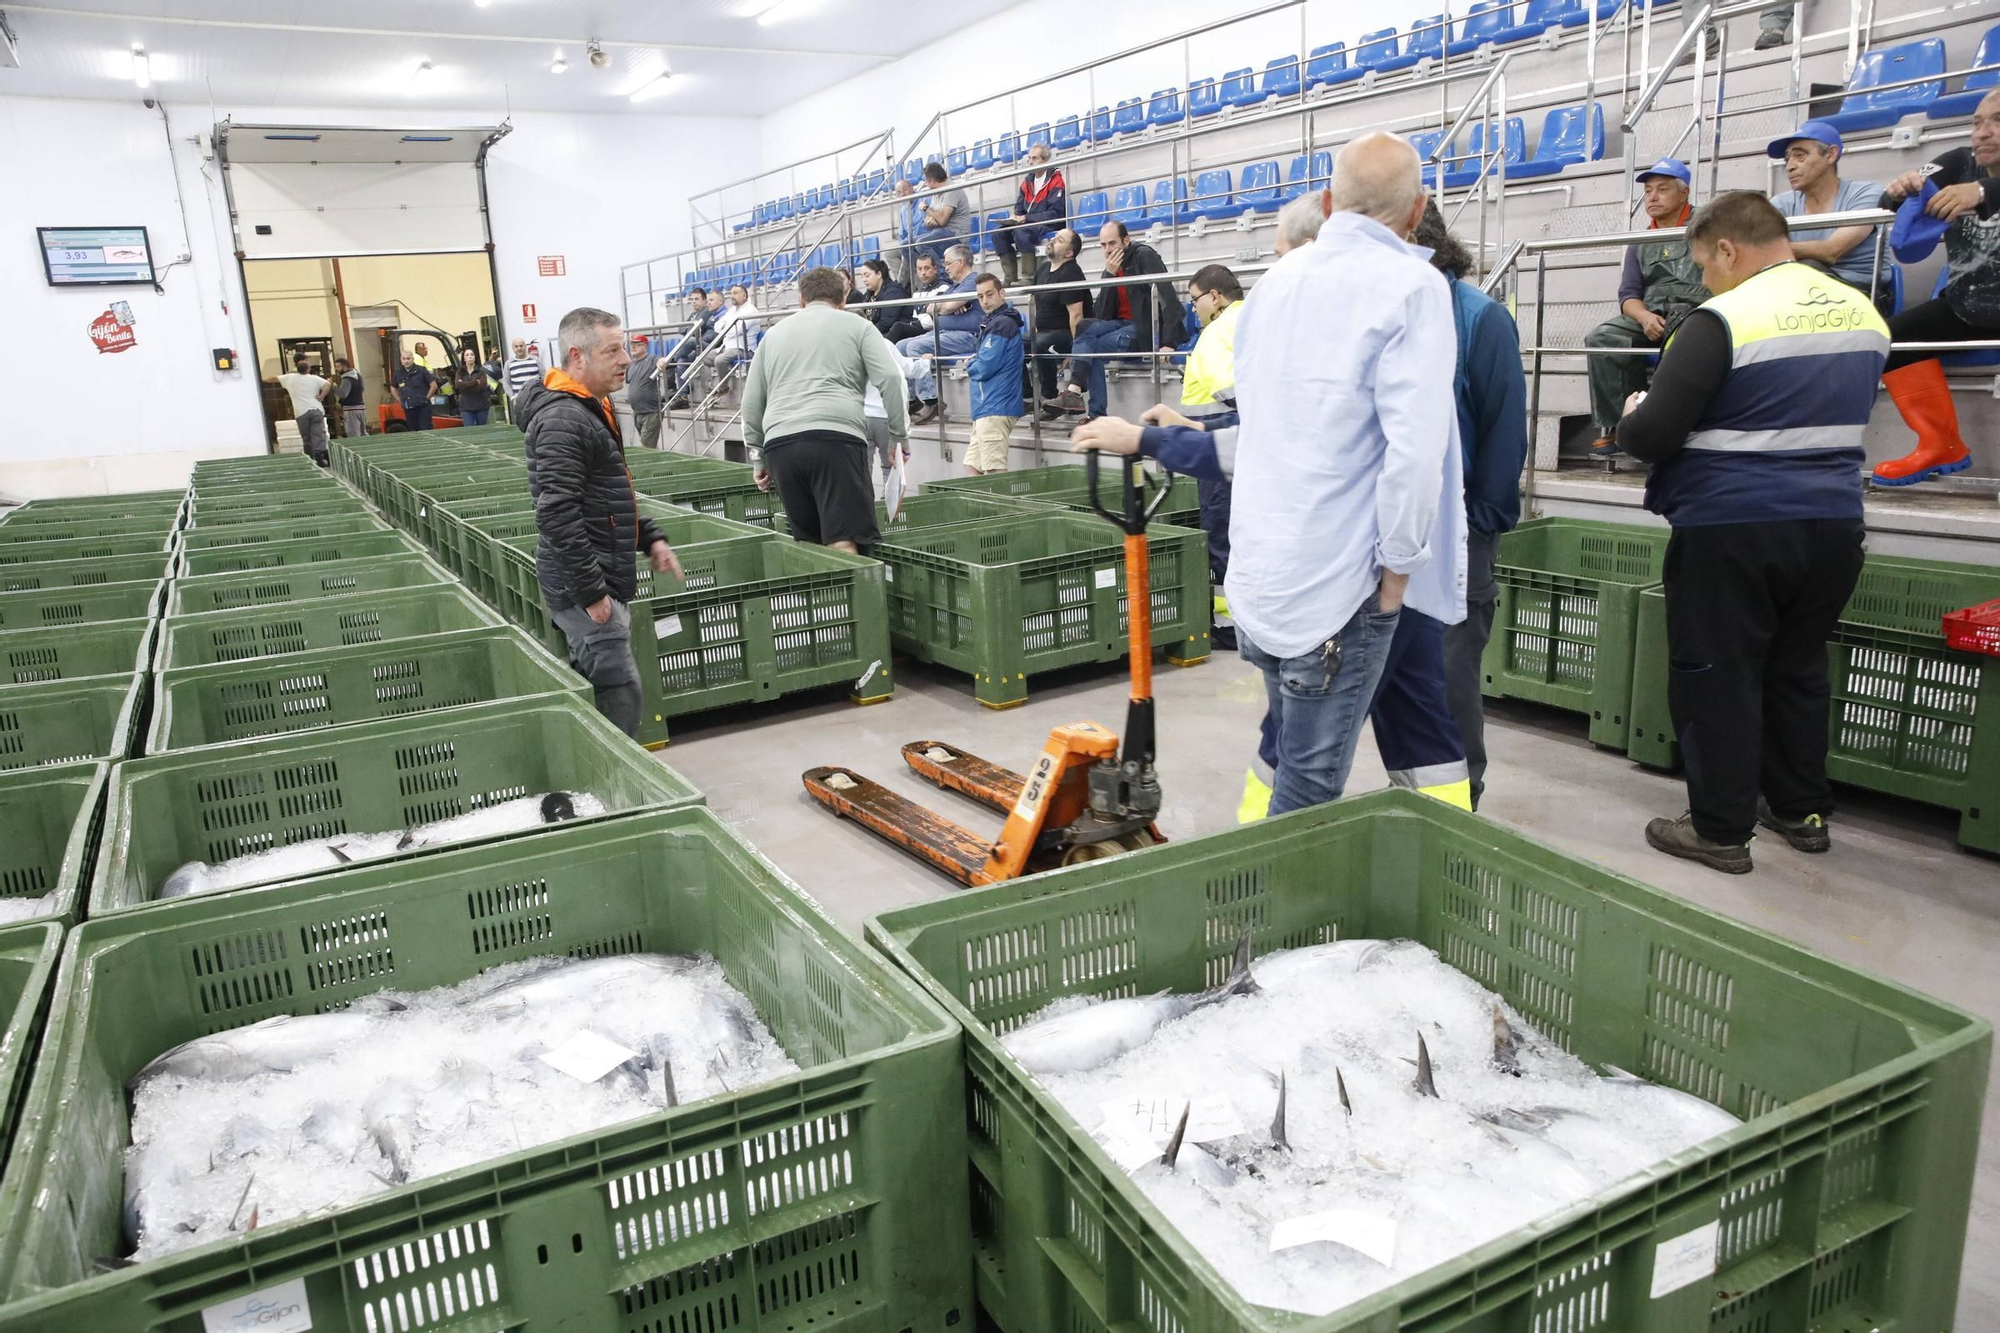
x=558, y=65
x=652, y=87
x=784, y=9
x=142, y=69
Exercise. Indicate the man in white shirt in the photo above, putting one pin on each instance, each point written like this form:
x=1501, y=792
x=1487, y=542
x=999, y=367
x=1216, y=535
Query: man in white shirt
x=523, y=369
x=1348, y=485
x=735, y=331
x=306, y=391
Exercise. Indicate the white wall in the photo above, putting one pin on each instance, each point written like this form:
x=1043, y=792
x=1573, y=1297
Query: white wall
x=1040, y=37
x=600, y=190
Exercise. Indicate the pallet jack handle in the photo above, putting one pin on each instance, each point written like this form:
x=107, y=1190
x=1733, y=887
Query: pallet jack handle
x=1136, y=510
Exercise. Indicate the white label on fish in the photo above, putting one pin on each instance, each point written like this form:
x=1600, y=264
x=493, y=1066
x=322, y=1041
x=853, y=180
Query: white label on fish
x=279, y=1309
x=587, y=1057
x=1372, y=1235
x=1153, y=1118
x=1685, y=1259
x=666, y=627
x=1123, y=1148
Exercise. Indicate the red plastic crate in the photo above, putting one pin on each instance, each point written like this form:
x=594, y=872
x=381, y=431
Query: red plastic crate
x=1975, y=629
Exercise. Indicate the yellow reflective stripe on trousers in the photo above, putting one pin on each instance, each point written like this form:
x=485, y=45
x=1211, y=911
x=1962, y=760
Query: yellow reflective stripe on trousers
x=1450, y=783
x=1256, y=803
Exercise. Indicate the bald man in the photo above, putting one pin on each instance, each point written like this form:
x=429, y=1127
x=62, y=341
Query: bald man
x=1349, y=490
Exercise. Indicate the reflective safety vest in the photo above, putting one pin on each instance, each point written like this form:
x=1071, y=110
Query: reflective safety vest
x=1210, y=373
x=1781, y=438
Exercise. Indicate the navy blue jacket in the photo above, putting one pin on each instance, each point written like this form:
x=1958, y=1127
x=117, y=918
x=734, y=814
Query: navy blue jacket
x=995, y=367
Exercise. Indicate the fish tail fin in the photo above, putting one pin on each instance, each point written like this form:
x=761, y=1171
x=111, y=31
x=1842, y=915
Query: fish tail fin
x=1426, y=1086
x=1340, y=1082
x=1278, y=1120
x=1173, y=1152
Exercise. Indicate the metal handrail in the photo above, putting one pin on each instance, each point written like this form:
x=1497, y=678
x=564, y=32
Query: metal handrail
x=1505, y=266
x=1689, y=35
x=1465, y=113
x=1871, y=88
x=1860, y=217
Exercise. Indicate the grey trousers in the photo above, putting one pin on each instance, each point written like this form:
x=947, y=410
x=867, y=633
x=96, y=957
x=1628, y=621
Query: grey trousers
x=881, y=445
x=602, y=654
x=649, y=428
x=312, y=435
x=355, y=420
x=1464, y=646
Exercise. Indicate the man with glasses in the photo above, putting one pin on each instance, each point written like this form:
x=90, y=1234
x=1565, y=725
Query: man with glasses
x=1208, y=389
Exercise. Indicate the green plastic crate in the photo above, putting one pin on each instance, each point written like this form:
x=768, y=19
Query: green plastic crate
x=100, y=648
x=933, y=510
x=53, y=817
x=1064, y=485
x=314, y=626
x=266, y=696
x=63, y=575
x=126, y=550
x=1568, y=612
x=501, y=551
x=297, y=527
x=225, y=801
x=334, y=578
x=132, y=502
x=58, y=528
x=1009, y=598
x=49, y=608
x=291, y=555
x=29, y=953
x=343, y=503
x=458, y=547
x=256, y=465
x=830, y=1201
x=1841, y=1204
x=714, y=487
x=66, y=721
x=1909, y=716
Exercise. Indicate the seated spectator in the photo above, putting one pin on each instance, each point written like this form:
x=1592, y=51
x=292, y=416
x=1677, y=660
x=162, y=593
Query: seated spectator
x=903, y=224
x=1660, y=286
x=1299, y=222
x=946, y=217
x=951, y=329
x=1124, y=319
x=995, y=372
x=1041, y=208
x=874, y=284
x=1960, y=191
x=846, y=285
x=1812, y=164
x=1058, y=315
x=694, y=342
x=912, y=321
x=736, y=332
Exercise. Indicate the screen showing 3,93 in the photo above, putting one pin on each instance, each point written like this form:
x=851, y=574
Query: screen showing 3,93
x=95, y=256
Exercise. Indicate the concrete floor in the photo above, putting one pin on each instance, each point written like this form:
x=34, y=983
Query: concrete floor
x=1895, y=896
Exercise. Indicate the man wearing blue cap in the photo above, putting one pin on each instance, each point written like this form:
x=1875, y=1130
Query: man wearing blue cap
x=1811, y=155
x=1660, y=284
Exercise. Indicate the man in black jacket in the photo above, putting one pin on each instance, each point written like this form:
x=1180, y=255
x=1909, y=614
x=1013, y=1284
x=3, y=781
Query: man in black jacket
x=876, y=285
x=586, y=512
x=1123, y=319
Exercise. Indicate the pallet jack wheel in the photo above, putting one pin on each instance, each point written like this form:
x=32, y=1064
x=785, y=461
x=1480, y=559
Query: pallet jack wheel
x=1097, y=851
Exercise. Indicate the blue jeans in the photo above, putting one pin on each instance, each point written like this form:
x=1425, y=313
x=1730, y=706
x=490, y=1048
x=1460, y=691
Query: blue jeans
x=1318, y=702
x=934, y=241
x=1022, y=237
x=948, y=344
x=1099, y=335
x=474, y=417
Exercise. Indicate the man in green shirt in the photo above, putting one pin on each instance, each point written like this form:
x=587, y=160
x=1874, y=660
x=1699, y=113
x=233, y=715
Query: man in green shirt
x=802, y=409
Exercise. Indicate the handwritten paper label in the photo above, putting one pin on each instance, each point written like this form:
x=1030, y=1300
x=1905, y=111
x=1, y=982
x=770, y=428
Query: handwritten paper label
x=1152, y=1118
x=1685, y=1259
x=1371, y=1235
x=587, y=1057
x=666, y=627
x=279, y=1309
x=1107, y=578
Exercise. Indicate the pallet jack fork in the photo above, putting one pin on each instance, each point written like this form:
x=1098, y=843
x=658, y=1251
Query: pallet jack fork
x=1082, y=799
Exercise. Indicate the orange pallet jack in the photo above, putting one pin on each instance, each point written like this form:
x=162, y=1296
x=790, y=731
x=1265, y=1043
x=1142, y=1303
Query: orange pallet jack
x=1082, y=800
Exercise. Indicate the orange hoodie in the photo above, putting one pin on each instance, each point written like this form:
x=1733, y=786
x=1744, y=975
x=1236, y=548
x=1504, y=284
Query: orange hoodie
x=561, y=381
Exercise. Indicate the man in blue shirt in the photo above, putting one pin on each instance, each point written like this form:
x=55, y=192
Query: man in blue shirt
x=414, y=384
x=953, y=332
x=1811, y=156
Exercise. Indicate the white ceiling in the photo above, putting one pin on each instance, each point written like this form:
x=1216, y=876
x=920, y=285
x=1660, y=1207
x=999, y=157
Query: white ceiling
x=288, y=53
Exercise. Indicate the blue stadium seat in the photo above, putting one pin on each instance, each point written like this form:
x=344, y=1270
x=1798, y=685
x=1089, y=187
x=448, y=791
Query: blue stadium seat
x=1976, y=85
x=878, y=181
x=1305, y=174
x=1281, y=77
x=1203, y=98
x=1327, y=65
x=871, y=248
x=982, y=239
x=1378, y=51
x=1239, y=88
x=1537, y=17
x=1459, y=173
x=1164, y=108
x=1130, y=117
x=1007, y=148
x=1088, y=214
x=982, y=155
x=1985, y=356
x=1258, y=187
x=1129, y=205
x=1424, y=144
x=850, y=190
x=1191, y=322
x=957, y=161
x=1570, y=134
x=1513, y=145
x=1484, y=23
x=1580, y=16
x=1039, y=132
x=1894, y=274
x=1100, y=125
x=1168, y=197
x=1068, y=134
x=913, y=171
x=1427, y=37
x=1865, y=110
x=829, y=195
x=1213, y=198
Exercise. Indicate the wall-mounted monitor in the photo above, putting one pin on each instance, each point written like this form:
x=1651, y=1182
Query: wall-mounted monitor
x=96, y=256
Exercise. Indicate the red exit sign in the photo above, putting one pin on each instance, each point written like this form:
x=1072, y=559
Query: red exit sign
x=552, y=266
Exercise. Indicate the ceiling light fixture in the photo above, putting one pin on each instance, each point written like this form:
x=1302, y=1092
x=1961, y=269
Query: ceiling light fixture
x=142, y=69
x=558, y=65
x=652, y=87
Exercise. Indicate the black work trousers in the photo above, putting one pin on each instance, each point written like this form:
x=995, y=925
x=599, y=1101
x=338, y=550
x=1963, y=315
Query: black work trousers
x=1934, y=321
x=1051, y=346
x=1749, y=610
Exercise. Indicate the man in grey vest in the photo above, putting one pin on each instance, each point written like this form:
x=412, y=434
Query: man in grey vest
x=1660, y=285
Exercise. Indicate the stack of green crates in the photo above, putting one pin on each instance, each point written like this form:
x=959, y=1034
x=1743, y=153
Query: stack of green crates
x=1007, y=598
x=706, y=485
x=1567, y=616
x=832, y=1200
x=1065, y=486
x=501, y=554
x=28, y=957
x=53, y=816
x=1841, y=1203
x=334, y=578
x=1910, y=716
x=292, y=554
x=318, y=625
x=933, y=509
